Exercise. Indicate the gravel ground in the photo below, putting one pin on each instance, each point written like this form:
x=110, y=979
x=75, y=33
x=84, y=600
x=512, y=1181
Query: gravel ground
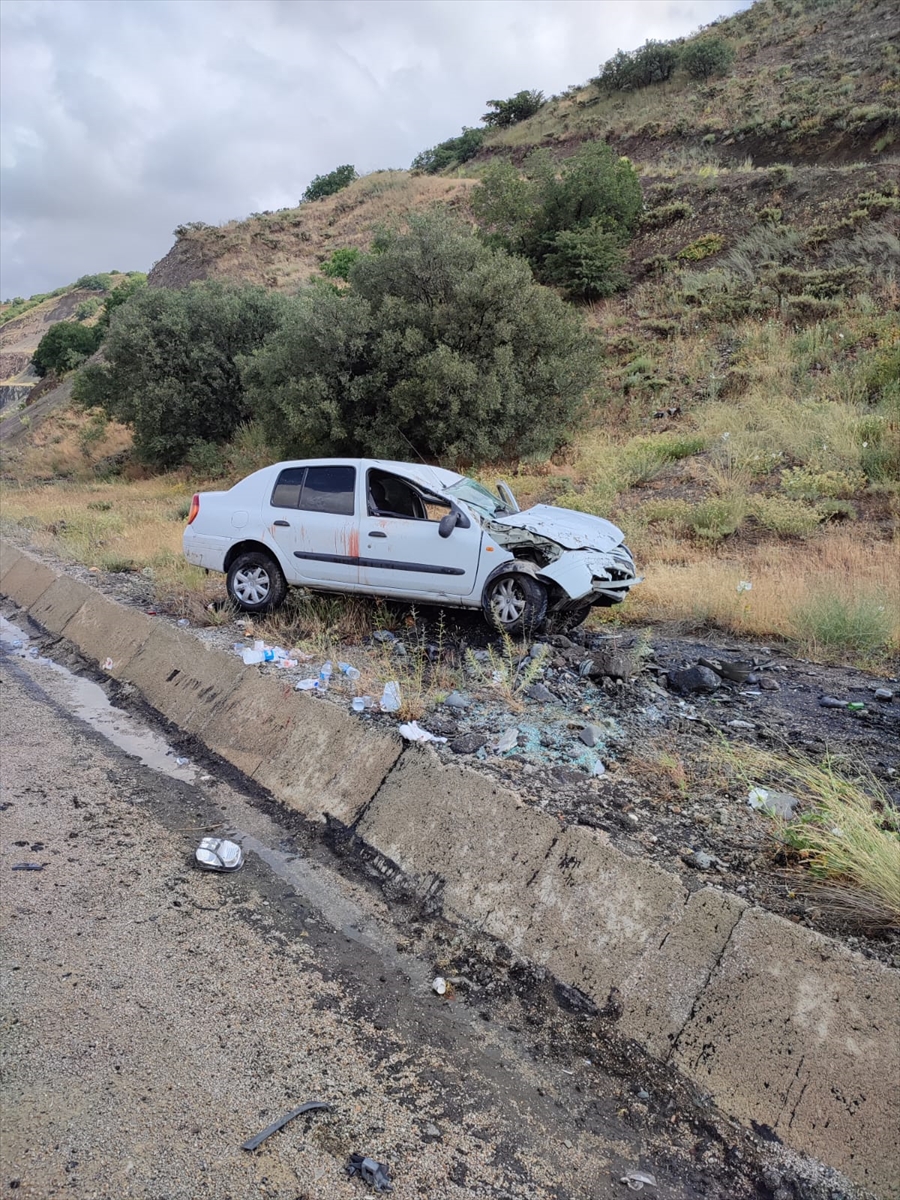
x=156, y=1016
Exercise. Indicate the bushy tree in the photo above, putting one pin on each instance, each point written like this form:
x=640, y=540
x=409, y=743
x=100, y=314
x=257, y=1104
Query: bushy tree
x=594, y=193
x=588, y=262
x=120, y=295
x=707, y=56
x=170, y=369
x=443, y=347
x=653, y=62
x=95, y=283
x=447, y=154
x=502, y=113
x=334, y=181
x=65, y=345
x=340, y=263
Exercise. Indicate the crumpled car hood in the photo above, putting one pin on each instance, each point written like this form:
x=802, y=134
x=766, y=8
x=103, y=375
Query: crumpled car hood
x=568, y=528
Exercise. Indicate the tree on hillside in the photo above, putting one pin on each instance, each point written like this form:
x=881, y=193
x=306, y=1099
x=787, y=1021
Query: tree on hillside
x=447, y=154
x=443, y=347
x=653, y=62
x=595, y=194
x=169, y=366
x=334, y=181
x=707, y=56
x=136, y=282
x=519, y=107
x=65, y=346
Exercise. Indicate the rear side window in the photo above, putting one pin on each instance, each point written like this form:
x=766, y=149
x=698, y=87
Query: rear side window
x=286, y=493
x=329, y=490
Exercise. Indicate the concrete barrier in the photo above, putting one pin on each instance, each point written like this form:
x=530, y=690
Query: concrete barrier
x=795, y=1032
x=783, y=1027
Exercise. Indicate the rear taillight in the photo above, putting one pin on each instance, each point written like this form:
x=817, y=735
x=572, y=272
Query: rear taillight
x=195, y=508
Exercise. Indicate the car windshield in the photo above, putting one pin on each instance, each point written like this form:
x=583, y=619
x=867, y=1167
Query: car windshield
x=478, y=497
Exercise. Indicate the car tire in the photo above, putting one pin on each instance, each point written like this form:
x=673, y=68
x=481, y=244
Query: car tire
x=256, y=583
x=515, y=602
x=568, y=619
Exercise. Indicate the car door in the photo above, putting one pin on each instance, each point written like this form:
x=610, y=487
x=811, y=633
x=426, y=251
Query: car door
x=313, y=516
x=400, y=549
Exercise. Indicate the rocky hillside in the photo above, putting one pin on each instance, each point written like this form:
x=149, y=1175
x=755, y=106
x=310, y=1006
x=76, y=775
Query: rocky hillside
x=815, y=86
x=22, y=325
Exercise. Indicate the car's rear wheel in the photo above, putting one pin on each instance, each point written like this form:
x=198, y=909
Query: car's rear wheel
x=256, y=583
x=515, y=603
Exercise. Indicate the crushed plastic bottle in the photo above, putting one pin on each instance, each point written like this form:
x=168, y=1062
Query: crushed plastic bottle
x=306, y=685
x=390, y=697
x=183, y=622
x=348, y=670
x=324, y=675
x=250, y=657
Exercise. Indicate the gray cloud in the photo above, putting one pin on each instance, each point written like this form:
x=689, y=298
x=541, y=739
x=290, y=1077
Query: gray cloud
x=124, y=118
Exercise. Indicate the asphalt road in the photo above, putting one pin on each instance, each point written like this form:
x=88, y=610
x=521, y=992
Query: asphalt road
x=155, y=1016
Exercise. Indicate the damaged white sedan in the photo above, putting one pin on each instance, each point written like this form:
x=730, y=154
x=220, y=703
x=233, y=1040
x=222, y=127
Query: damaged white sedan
x=408, y=532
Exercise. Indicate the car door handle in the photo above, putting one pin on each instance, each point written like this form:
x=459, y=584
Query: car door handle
x=286, y=524
x=377, y=533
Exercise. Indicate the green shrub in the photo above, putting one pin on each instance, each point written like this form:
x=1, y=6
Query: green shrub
x=442, y=348
x=805, y=309
x=653, y=62
x=703, y=247
x=806, y=483
x=64, y=346
x=340, y=263
x=666, y=214
x=447, y=154
x=87, y=308
x=95, y=283
x=589, y=262
x=706, y=56
x=503, y=113
x=790, y=517
x=334, y=181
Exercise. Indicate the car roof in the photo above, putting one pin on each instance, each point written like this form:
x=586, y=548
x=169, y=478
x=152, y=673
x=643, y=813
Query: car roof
x=424, y=474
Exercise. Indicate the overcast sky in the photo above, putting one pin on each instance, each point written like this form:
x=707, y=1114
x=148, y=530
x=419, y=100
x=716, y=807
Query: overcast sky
x=123, y=118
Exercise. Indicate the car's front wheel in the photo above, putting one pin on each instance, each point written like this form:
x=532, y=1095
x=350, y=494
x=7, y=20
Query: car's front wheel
x=515, y=603
x=256, y=583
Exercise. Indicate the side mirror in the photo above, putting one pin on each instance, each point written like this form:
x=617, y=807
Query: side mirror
x=448, y=522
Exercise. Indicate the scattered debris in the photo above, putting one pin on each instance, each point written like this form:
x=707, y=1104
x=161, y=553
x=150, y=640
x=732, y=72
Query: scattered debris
x=439, y=985
x=390, y=697
x=508, y=741
x=182, y=762
x=456, y=700
x=352, y=673
x=694, y=679
x=218, y=854
x=735, y=672
x=184, y=622
x=28, y=866
x=310, y=1106
x=637, y=1179
x=374, y=1173
x=831, y=702
x=361, y=703
x=885, y=695
x=108, y=664
x=306, y=685
x=384, y=636
x=413, y=733
x=776, y=804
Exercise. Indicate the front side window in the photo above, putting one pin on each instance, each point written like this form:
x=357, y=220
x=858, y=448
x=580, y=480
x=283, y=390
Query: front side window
x=329, y=490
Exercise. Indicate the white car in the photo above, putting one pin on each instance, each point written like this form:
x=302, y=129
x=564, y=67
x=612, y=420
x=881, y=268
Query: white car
x=409, y=532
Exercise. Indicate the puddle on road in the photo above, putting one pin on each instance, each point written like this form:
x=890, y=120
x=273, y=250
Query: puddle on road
x=89, y=702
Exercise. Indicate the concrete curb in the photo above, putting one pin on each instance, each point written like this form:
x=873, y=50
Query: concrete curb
x=782, y=1026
